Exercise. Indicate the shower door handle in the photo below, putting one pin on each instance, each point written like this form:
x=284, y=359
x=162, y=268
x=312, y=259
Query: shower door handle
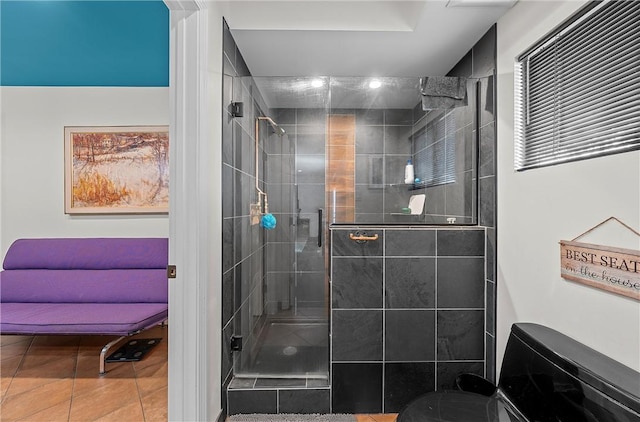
x=320, y=230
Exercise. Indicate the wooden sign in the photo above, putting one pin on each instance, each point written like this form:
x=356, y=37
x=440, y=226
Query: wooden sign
x=613, y=269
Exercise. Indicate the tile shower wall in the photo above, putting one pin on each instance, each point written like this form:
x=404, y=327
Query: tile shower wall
x=243, y=243
x=407, y=314
x=480, y=64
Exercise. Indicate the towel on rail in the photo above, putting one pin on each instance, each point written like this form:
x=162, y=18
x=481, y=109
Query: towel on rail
x=443, y=92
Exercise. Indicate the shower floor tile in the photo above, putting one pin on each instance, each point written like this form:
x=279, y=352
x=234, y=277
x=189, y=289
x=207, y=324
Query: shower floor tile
x=291, y=349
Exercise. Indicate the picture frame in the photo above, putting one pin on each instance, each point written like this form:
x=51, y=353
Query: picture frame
x=116, y=169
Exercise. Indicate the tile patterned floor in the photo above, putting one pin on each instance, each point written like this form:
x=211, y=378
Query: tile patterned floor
x=55, y=378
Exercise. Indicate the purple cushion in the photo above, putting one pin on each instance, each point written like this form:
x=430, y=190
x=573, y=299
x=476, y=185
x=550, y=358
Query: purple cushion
x=79, y=318
x=87, y=253
x=84, y=286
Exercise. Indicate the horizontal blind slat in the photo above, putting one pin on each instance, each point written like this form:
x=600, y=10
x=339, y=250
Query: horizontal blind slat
x=578, y=95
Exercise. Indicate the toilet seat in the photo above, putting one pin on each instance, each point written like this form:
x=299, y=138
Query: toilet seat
x=458, y=406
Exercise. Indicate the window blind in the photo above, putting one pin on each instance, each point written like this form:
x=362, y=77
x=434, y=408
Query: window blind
x=578, y=90
x=434, y=154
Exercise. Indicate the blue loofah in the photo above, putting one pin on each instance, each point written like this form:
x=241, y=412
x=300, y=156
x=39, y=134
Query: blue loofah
x=268, y=221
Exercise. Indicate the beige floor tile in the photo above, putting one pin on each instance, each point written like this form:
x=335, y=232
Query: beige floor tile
x=7, y=339
x=20, y=406
x=152, y=378
x=103, y=399
x=155, y=406
x=9, y=366
x=132, y=412
x=57, y=413
x=15, y=348
x=43, y=367
x=21, y=385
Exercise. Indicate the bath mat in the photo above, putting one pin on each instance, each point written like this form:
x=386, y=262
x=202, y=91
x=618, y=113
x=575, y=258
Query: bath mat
x=289, y=417
x=134, y=350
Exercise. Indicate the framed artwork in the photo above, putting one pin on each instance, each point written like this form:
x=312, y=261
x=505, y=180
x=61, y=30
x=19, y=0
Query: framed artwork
x=116, y=169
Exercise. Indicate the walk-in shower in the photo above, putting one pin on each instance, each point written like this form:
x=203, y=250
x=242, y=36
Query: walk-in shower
x=327, y=151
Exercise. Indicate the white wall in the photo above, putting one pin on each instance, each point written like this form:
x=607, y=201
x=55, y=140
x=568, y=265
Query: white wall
x=538, y=208
x=32, y=158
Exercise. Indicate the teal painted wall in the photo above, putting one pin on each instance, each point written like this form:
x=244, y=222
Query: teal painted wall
x=84, y=43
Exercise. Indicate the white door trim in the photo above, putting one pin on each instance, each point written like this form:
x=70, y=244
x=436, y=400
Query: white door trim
x=194, y=217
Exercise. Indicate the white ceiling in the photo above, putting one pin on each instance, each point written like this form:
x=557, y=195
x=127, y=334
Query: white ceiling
x=358, y=38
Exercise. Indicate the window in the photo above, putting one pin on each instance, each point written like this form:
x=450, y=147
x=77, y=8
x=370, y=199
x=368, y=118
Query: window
x=434, y=154
x=578, y=89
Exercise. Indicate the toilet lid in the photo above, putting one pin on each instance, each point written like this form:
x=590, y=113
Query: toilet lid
x=457, y=406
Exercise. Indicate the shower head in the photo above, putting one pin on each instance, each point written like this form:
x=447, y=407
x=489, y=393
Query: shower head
x=277, y=129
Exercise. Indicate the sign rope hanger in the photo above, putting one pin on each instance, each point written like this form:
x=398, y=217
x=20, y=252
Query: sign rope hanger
x=604, y=222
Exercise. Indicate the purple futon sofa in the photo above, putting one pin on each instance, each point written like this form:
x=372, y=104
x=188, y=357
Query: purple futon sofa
x=92, y=286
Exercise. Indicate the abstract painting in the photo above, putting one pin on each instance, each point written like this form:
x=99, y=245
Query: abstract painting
x=116, y=169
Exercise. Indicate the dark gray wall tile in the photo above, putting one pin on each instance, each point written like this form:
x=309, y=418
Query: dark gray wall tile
x=398, y=117
x=369, y=116
x=370, y=170
x=356, y=388
x=487, y=150
x=409, y=335
x=484, y=54
x=491, y=253
x=465, y=146
x=227, y=296
x=459, y=195
x=310, y=287
x=342, y=245
x=311, y=197
x=357, y=283
x=487, y=201
x=310, y=260
x=311, y=116
x=257, y=401
x=228, y=43
x=369, y=200
x=284, y=116
x=310, y=168
x=491, y=307
x=227, y=354
x=369, y=139
x=356, y=335
x=410, y=282
x=410, y=242
x=228, y=186
x=404, y=382
x=461, y=282
x=436, y=200
x=449, y=371
x=228, y=251
x=460, y=242
x=490, y=373
x=311, y=138
x=394, y=166
x=304, y=401
x=487, y=100
x=397, y=140
x=464, y=67
x=460, y=335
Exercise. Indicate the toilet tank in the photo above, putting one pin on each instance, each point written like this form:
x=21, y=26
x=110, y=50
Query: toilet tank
x=551, y=377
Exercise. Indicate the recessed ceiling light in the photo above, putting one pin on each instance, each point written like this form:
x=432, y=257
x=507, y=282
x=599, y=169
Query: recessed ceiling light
x=317, y=83
x=375, y=84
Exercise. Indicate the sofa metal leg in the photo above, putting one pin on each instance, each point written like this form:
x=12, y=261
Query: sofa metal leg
x=103, y=353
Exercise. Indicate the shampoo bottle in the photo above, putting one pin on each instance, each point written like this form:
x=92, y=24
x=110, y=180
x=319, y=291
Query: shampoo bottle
x=408, y=173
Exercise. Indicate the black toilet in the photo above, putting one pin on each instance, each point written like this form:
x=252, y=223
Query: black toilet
x=545, y=376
